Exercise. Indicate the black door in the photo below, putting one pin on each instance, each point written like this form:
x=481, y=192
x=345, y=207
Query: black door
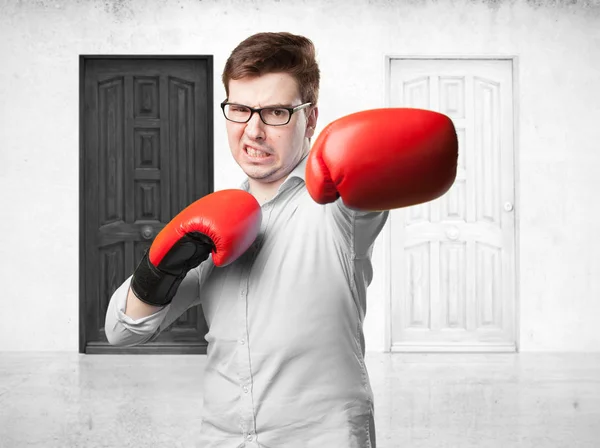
x=146, y=153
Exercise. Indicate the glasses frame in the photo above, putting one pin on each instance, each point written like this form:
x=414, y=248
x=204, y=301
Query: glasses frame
x=259, y=110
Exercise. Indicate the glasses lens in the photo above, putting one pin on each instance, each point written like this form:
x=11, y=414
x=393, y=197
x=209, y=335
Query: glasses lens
x=275, y=116
x=234, y=112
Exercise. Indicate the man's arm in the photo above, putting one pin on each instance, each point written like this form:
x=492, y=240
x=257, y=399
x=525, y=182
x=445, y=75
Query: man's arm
x=123, y=328
x=356, y=229
x=136, y=309
x=367, y=163
x=356, y=232
x=166, y=281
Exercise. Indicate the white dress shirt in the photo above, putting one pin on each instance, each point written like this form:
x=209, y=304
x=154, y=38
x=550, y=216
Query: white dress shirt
x=285, y=358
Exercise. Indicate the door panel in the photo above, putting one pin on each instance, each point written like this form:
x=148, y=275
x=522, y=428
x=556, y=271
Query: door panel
x=453, y=281
x=146, y=155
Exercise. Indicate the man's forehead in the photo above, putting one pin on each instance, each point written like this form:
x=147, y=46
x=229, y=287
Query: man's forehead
x=268, y=89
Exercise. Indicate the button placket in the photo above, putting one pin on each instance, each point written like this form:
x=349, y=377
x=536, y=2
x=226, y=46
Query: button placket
x=245, y=373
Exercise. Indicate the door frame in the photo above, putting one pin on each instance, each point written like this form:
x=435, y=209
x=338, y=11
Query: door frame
x=83, y=58
x=386, y=231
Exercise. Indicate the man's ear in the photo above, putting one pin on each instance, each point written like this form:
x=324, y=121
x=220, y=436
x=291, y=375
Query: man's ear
x=311, y=122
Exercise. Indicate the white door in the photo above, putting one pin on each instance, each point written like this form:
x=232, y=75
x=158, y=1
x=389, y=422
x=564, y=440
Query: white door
x=453, y=259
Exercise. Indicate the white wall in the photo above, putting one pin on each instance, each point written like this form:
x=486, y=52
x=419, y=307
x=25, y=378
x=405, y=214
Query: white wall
x=558, y=157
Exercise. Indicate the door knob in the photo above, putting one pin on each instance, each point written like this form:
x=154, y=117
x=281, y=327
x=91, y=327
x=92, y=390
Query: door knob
x=452, y=233
x=147, y=232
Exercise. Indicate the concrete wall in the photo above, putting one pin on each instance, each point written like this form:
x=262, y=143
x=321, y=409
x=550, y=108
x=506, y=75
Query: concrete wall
x=558, y=157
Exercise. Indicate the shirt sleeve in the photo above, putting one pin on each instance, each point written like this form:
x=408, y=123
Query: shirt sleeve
x=123, y=331
x=357, y=229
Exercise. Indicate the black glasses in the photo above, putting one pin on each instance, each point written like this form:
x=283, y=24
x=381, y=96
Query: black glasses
x=273, y=116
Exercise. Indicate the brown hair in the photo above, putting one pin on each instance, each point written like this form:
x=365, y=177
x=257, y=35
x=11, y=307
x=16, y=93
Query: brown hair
x=264, y=53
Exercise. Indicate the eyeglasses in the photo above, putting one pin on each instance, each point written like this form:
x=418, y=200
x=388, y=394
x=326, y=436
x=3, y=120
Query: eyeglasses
x=273, y=116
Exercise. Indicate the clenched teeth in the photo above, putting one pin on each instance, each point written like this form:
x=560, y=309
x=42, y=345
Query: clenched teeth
x=255, y=153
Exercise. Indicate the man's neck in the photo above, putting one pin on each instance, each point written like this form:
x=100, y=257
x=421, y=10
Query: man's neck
x=264, y=192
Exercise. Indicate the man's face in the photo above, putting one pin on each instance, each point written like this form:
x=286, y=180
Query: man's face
x=268, y=153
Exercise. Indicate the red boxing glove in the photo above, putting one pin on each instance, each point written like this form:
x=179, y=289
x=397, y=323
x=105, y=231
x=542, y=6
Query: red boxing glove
x=383, y=159
x=225, y=223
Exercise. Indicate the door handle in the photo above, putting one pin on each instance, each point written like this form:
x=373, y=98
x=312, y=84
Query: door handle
x=147, y=232
x=452, y=233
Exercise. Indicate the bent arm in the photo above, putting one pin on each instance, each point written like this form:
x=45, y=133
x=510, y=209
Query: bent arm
x=137, y=309
x=130, y=323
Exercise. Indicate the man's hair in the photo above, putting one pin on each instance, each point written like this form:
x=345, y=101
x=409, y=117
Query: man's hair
x=283, y=52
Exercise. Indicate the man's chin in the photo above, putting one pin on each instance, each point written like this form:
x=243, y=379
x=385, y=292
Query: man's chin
x=261, y=175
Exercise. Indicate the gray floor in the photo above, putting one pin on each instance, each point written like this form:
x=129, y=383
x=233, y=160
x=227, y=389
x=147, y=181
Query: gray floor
x=500, y=400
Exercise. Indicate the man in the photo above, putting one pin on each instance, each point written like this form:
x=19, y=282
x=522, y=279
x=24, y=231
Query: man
x=281, y=266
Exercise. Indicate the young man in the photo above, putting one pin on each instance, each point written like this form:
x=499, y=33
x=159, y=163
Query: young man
x=282, y=272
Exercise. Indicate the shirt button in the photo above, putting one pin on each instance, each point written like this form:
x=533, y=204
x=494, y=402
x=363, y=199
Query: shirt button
x=245, y=389
x=249, y=437
x=242, y=341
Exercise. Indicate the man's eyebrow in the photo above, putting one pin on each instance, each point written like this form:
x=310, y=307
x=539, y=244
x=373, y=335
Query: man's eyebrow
x=279, y=105
x=286, y=105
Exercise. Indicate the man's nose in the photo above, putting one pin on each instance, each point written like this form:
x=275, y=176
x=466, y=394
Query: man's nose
x=255, y=128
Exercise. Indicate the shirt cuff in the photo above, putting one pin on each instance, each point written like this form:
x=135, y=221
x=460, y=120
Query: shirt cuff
x=144, y=325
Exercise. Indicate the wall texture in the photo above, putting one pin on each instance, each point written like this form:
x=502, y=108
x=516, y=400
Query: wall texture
x=557, y=155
